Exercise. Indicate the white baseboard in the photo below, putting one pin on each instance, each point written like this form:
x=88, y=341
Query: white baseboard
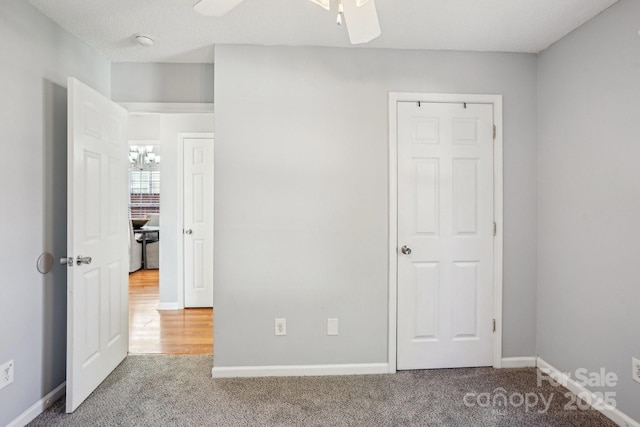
x=37, y=408
x=169, y=306
x=614, y=414
x=299, y=370
x=518, y=362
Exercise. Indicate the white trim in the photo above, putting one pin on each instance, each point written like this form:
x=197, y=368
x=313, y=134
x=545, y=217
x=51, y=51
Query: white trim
x=498, y=217
x=614, y=414
x=39, y=407
x=392, y=230
x=180, y=220
x=167, y=107
x=518, y=362
x=496, y=100
x=169, y=306
x=299, y=370
x=180, y=197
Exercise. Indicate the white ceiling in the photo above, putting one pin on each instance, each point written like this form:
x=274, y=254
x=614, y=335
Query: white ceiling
x=182, y=35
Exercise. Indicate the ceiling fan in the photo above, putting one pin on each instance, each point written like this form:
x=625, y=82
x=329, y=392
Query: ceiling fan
x=360, y=15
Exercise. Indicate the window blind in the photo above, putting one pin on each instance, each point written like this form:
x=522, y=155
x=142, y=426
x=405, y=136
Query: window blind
x=144, y=193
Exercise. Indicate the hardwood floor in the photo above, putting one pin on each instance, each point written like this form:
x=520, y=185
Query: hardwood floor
x=188, y=331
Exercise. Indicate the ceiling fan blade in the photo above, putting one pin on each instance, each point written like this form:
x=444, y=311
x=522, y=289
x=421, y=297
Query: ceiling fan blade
x=215, y=7
x=324, y=3
x=362, y=21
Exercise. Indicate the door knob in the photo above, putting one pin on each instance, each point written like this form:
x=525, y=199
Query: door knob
x=67, y=261
x=189, y=231
x=83, y=260
x=406, y=250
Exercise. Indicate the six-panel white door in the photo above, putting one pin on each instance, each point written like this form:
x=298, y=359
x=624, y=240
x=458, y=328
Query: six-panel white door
x=97, y=299
x=445, y=221
x=198, y=222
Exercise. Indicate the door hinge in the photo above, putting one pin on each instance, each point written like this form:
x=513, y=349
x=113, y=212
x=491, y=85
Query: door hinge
x=494, y=325
x=495, y=229
x=495, y=132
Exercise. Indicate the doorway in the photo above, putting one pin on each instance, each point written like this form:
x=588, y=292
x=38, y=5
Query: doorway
x=445, y=230
x=159, y=322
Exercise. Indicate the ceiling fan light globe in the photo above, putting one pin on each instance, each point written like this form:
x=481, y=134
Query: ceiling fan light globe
x=362, y=22
x=326, y=4
x=215, y=8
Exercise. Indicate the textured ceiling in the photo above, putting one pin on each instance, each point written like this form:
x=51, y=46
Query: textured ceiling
x=182, y=35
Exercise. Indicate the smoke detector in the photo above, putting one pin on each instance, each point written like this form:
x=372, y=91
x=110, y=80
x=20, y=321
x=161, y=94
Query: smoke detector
x=144, y=41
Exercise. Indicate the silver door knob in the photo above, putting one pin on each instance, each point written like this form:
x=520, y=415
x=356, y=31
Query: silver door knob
x=189, y=231
x=83, y=260
x=67, y=261
x=406, y=250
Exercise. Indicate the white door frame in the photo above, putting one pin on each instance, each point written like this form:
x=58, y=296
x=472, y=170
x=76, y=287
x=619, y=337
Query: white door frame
x=496, y=101
x=170, y=108
x=180, y=191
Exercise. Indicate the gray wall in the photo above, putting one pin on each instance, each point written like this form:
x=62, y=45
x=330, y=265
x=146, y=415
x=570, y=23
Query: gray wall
x=589, y=200
x=37, y=56
x=152, y=82
x=301, y=195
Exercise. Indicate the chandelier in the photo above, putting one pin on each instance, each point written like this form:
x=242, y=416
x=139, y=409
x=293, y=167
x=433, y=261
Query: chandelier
x=142, y=157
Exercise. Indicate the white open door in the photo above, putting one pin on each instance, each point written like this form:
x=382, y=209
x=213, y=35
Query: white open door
x=198, y=221
x=97, y=298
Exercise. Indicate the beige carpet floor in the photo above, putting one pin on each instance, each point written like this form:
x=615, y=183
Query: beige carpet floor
x=158, y=390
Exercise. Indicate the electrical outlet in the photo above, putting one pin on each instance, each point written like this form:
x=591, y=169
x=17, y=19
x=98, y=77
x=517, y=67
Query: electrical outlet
x=281, y=326
x=6, y=374
x=332, y=326
x=635, y=366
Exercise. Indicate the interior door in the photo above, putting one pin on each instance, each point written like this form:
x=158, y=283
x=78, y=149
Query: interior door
x=97, y=299
x=198, y=222
x=445, y=235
